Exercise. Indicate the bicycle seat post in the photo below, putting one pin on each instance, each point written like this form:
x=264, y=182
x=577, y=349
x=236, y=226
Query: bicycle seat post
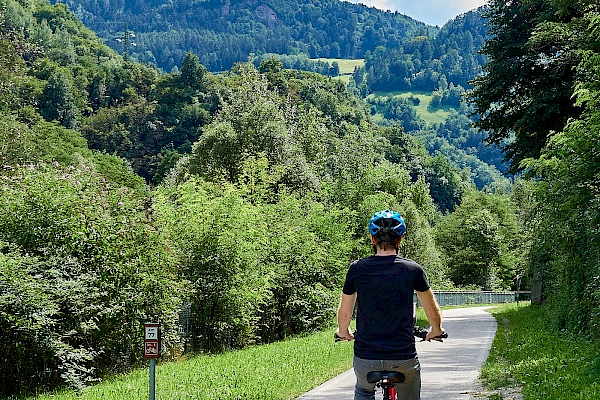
x=385, y=380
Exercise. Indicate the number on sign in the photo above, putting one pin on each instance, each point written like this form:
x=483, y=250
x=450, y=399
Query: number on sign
x=151, y=332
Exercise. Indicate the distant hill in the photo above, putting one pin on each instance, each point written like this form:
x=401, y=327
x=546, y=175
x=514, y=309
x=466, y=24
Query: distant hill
x=223, y=32
x=400, y=54
x=430, y=63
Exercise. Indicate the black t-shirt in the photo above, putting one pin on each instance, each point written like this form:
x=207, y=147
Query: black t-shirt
x=385, y=287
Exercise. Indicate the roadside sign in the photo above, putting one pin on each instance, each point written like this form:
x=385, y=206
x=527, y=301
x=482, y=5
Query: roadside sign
x=151, y=331
x=151, y=340
x=150, y=349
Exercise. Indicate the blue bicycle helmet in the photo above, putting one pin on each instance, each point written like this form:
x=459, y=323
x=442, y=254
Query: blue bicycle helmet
x=387, y=225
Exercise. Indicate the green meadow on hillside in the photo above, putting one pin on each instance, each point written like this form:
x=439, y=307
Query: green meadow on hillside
x=346, y=65
x=437, y=116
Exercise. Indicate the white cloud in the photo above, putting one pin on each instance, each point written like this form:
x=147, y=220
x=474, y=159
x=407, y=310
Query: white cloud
x=433, y=12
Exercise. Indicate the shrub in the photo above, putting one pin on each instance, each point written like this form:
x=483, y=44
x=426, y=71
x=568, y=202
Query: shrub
x=91, y=269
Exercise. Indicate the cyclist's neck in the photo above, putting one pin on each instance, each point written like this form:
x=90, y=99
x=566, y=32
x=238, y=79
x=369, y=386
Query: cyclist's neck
x=384, y=253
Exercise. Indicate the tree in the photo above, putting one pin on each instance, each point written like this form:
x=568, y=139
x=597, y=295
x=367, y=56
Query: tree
x=58, y=102
x=445, y=184
x=482, y=242
x=334, y=70
x=566, y=246
x=526, y=86
x=270, y=65
x=249, y=123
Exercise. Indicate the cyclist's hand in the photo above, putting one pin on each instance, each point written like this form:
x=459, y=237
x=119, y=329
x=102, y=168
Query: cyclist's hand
x=437, y=334
x=344, y=335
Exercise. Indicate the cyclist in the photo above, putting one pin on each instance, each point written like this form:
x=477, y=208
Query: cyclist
x=382, y=287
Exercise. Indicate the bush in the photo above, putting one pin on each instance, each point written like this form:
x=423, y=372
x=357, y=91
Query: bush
x=82, y=270
x=259, y=271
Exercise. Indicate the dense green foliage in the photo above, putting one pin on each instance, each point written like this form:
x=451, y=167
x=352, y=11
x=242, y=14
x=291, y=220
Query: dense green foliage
x=264, y=179
x=253, y=373
x=483, y=242
x=80, y=267
x=223, y=32
x=543, y=85
x=428, y=62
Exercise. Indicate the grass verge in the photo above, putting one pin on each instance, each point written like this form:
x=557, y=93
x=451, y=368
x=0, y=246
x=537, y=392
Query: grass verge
x=280, y=370
x=529, y=354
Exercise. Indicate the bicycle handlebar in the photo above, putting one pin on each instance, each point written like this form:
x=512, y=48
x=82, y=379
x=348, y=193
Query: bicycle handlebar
x=418, y=332
x=422, y=333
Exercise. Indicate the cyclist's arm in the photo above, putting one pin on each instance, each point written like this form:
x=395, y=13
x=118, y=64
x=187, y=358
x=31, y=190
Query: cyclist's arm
x=344, y=316
x=433, y=313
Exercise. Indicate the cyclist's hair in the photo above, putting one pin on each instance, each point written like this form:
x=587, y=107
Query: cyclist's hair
x=387, y=226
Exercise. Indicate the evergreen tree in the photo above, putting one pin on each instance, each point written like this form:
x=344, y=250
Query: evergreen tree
x=57, y=101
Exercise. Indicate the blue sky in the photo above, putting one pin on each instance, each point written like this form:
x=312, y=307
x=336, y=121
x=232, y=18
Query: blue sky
x=433, y=12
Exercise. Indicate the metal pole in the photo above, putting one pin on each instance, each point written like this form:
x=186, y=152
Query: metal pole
x=152, y=377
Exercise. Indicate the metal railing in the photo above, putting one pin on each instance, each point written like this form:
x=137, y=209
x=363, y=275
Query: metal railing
x=458, y=298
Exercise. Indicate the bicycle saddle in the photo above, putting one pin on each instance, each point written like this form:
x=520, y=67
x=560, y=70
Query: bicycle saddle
x=390, y=376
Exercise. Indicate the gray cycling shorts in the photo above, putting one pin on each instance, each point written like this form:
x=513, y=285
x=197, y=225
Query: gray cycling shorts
x=409, y=390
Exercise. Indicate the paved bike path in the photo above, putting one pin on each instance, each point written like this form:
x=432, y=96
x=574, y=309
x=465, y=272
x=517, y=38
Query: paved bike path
x=449, y=370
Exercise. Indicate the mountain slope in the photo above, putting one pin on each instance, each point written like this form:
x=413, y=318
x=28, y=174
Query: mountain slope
x=223, y=32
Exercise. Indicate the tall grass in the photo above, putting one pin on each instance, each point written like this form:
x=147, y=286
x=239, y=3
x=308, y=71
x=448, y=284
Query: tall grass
x=528, y=353
x=280, y=370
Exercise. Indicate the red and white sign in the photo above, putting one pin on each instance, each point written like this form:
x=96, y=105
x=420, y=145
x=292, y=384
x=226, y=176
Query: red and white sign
x=151, y=349
x=151, y=340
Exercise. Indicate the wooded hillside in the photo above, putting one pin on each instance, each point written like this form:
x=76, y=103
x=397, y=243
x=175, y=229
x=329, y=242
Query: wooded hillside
x=401, y=55
x=223, y=32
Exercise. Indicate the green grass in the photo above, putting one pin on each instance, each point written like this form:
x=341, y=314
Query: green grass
x=280, y=370
x=436, y=117
x=346, y=65
x=529, y=354
x=526, y=354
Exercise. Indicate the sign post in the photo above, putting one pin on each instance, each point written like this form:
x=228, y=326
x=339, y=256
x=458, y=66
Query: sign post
x=152, y=351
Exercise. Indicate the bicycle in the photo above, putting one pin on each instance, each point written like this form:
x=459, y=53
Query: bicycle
x=387, y=380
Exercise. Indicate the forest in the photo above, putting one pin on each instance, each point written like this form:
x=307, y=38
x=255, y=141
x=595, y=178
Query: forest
x=223, y=32
x=400, y=54
x=128, y=194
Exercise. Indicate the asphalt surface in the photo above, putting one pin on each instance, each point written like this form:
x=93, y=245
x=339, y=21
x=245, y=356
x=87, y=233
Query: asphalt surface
x=449, y=370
